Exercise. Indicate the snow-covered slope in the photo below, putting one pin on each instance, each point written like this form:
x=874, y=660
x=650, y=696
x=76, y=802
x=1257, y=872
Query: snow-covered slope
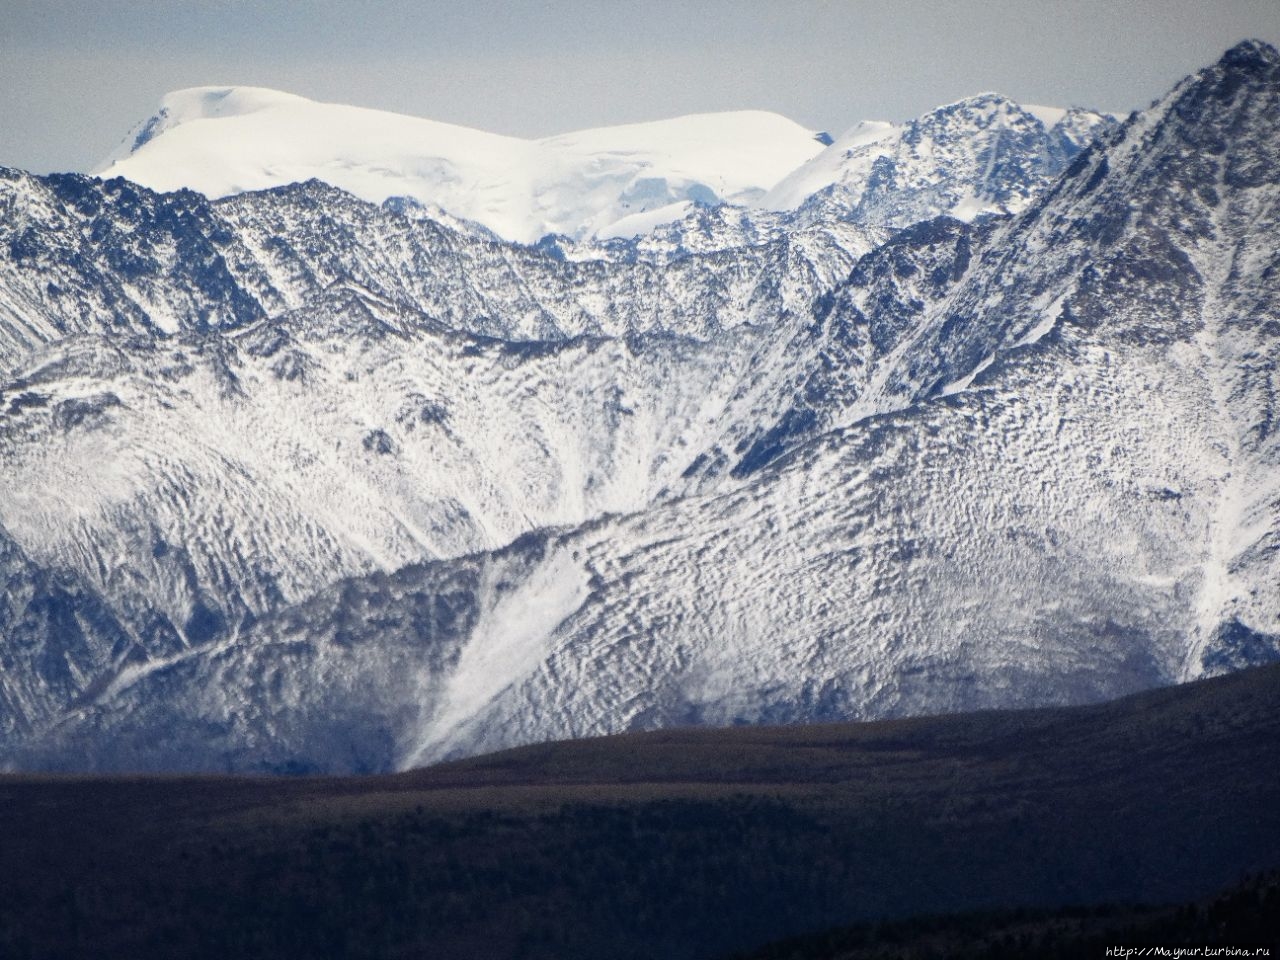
x=430, y=493
x=983, y=154
x=287, y=388
x=613, y=181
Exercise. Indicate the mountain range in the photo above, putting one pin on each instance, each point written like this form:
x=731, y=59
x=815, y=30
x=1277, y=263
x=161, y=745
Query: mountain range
x=983, y=154
x=384, y=467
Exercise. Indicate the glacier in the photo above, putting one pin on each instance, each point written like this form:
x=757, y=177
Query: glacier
x=227, y=140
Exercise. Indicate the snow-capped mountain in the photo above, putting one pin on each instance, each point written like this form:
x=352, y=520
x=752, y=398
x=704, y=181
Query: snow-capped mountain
x=984, y=154
x=296, y=481
x=981, y=155
x=613, y=181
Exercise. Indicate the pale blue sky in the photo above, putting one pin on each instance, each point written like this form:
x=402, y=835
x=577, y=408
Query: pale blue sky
x=75, y=76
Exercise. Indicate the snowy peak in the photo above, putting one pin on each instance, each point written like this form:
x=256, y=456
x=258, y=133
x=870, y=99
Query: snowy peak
x=211, y=103
x=1229, y=101
x=194, y=104
x=1078, y=127
x=1219, y=125
x=221, y=141
x=1251, y=63
x=1250, y=55
x=982, y=154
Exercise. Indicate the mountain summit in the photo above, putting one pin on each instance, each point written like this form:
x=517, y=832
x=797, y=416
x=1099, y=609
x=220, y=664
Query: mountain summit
x=981, y=155
x=1251, y=55
x=608, y=181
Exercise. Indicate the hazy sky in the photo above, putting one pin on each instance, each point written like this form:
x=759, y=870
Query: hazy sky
x=75, y=75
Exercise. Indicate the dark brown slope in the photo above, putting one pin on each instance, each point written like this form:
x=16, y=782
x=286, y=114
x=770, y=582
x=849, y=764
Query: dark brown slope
x=672, y=844
x=1245, y=916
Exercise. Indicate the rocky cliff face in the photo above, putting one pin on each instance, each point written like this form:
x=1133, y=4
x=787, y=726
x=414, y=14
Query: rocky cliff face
x=979, y=156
